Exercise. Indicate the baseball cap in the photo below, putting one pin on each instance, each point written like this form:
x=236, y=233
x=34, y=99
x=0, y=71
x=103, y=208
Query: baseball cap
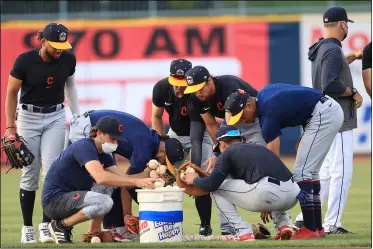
x=56, y=34
x=226, y=131
x=174, y=153
x=196, y=78
x=111, y=126
x=178, y=68
x=235, y=104
x=335, y=14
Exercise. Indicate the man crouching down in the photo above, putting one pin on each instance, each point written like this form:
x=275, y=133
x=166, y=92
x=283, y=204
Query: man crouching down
x=67, y=197
x=253, y=178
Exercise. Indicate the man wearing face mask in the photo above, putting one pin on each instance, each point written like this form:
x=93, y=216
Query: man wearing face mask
x=331, y=75
x=67, y=197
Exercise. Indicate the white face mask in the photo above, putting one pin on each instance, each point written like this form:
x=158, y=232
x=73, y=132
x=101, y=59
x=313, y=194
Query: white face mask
x=109, y=147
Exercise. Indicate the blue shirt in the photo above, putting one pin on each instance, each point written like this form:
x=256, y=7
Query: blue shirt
x=283, y=105
x=144, y=141
x=67, y=173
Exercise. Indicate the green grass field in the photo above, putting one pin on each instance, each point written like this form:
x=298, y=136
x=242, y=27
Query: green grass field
x=356, y=217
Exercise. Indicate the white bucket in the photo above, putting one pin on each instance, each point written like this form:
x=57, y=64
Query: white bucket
x=160, y=214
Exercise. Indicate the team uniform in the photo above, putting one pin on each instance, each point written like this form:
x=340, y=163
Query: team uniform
x=280, y=106
x=367, y=67
x=337, y=168
x=253, y=178
x=41, y=120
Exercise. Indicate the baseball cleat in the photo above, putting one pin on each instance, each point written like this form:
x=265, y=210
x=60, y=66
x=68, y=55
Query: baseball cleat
x=284, y=233
x=205, y=230
x=121, y=235
x=298, y=224
x=304, y=233
x=61, y=235
x=28, y=234
x=321, y=232
x=45, y=235
x=338, y=230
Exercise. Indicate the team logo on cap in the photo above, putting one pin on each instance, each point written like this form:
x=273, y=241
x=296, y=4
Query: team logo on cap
x=120, y=128
x=189, y=80
x=180, y=72
x=63, y=37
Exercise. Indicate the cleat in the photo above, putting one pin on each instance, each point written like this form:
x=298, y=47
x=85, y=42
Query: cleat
x=321, y=232
x=45, y=235
x=298, y=224
x=304, y=233
x=60, y=235
x=205, y=230
x=338, y=230
x=28, y=234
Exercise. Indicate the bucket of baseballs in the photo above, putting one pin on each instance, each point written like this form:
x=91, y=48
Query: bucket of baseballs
x=161, y=214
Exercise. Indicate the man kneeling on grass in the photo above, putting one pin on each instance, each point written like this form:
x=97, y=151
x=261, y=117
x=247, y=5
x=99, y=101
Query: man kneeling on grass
x=67, y=197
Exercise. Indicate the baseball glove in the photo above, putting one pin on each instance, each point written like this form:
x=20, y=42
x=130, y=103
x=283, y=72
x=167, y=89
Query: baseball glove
x=105, y=236
x=191, y=190
x=16, y=151
x=132, y=224
x=260, y=231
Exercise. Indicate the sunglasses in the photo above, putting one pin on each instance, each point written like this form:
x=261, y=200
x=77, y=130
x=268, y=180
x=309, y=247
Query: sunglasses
x=231, y=133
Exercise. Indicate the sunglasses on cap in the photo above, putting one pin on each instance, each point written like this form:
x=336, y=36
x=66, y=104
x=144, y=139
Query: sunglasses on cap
x=231, y=133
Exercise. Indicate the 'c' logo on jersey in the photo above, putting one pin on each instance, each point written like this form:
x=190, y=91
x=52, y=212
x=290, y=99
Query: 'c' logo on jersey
x=220, y=106
x=49, y=82
x=183, y=111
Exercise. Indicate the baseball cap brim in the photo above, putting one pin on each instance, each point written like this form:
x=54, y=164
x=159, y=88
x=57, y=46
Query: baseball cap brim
x=348, y=20
x=234, y=119
x=177, y=82
x=195, y=88
x=170, y=167
x=60, y=45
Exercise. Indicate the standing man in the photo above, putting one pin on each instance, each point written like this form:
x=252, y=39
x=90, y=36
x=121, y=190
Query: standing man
x=331, y=75
x=367, y=68
x=186, y=125
x=279, y=106
x=67, y=197
x=253, y=178
x=43, y=75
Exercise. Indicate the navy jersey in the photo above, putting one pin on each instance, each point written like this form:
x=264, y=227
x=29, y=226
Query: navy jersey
x=248, y=162
x=283, y=105
x=180, y=112
x=43, y=82
x=67, y=173
x=144, y=141
x=225, y=85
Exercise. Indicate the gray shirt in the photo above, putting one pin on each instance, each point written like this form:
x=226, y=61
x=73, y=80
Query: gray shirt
x=331, y=75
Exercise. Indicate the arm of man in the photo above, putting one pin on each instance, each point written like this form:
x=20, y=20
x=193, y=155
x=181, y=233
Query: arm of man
x=367, y=78
x=72, y=94
x=211, y=125
x=351, y=57
x=367, y=68
x=274, y=146
x=159, y=97
x=157, y=122
x=197, y=130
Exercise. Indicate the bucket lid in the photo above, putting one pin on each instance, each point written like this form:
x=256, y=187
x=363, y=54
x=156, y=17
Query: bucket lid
x=161, y=190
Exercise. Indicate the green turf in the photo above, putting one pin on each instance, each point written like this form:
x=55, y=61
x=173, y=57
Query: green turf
x=356, y=217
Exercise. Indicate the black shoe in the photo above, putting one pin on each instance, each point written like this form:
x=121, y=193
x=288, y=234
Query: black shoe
x=338, y=230
x=205, y=230
x=298, y=224
x=60, y=234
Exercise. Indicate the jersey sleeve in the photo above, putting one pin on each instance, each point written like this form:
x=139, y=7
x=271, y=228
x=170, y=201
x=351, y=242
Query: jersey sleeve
x=85, y=153
x=270, y=129
x=193, y=113
x=19, y=69
x=108, y=160
x=73, y=65
x=367, y=57
x=159, y=94
x=223, y=163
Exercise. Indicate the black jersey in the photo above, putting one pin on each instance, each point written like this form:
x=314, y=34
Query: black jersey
x=43, y=82
x=225, y=85
x=367, y=56
x=181, y=112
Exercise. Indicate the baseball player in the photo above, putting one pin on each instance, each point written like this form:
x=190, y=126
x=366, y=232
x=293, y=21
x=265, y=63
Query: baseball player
x=67, y=197
x=186, y=125
x=251, y=177
x=44, y=75
x=280, y=106
x=331, y=75
x=142, y=144
x=367, y=68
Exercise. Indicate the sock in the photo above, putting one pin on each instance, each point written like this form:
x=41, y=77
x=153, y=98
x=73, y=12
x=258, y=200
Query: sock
x=62, y=225
x=27, y=200
x=46, y=219
x=307, y=205
x=115, y=216
x=203, y=205
x=317, y=204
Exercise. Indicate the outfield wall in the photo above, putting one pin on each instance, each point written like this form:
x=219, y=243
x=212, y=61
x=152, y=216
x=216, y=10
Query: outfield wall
x=118, y=62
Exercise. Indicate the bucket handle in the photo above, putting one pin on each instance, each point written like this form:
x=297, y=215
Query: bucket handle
x=167, y=197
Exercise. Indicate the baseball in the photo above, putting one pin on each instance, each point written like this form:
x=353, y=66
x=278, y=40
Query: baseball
x=153, y=174
x=161, y=170
x=182, y=176
x=95, y=240
x=159, y=183
x=190, y=170
x=153, y=164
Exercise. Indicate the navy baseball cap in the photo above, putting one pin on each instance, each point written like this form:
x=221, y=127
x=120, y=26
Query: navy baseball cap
x=56, y=34
x=178, y=68
x=196, y=78
x=174, y=153
x=335, y=14
x=226, y=131
x=234, y=105
x=111, y=126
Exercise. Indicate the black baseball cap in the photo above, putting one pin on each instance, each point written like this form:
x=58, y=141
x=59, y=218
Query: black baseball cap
x=234, y=105
x=56, y=34
x=225, y=131
x=112, y=126
x=196, y=78
x=335, y=14
x=174, y=153
x=178, y=68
